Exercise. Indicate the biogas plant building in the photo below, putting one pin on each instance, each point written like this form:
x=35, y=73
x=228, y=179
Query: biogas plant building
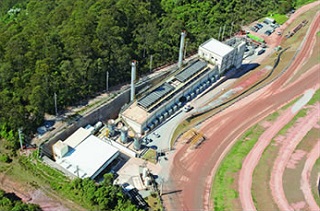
x=214, y=59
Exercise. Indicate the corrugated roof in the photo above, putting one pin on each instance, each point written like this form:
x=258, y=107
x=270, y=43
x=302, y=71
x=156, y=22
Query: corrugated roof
x=77, y=137
x=190, y=71
x=155, y=95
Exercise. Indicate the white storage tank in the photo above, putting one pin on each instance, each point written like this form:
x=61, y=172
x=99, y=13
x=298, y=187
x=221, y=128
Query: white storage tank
x=98, y=126
x=147, y=181
x=137, y=142
x=124, y=134
x=111, y=126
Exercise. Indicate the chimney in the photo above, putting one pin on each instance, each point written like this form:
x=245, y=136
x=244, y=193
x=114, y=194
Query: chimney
x=183, y=35
x=133, y=78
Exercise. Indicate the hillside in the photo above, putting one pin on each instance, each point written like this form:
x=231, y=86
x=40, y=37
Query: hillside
x=66, y=46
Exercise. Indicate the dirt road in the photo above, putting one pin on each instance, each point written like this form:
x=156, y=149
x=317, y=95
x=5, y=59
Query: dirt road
x=305, y=176
x=291, y=141
x=252, y=159
x=186, y=188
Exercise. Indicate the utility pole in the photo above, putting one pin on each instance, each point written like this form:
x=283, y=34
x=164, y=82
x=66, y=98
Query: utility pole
x=151, y=57
x=185, y=50
x=219, y=33
x=55, y=104
x=20, y=137
x=231, y=29
x=161, y=186
x=224, y=28
x=107, y=81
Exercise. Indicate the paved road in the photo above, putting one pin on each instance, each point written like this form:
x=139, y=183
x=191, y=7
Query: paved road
x=191, y=173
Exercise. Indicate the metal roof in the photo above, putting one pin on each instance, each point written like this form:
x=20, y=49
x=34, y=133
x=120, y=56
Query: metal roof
x=77, y=137
x=191, y=70
x=155, y=95
x=217, y=47
x=88, y=157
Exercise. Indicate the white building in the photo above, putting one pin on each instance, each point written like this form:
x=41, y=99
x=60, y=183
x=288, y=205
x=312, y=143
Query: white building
x=86, y=155
x=165, y=99
x=223, y=55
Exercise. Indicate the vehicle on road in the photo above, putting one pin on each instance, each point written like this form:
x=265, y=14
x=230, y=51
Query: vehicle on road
x=187, y=107
x=157, y=135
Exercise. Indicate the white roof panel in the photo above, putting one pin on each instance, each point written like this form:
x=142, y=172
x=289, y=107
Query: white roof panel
x=77, y=137
x=217, y=47
x=88, y=157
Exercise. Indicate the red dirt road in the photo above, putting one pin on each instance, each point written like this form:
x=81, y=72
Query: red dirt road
x=292, y=140
x=186, y=188
x=305, y=176
x=252, y=159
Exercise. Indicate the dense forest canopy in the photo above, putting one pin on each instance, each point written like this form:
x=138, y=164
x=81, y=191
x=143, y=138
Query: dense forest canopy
x=66, y=46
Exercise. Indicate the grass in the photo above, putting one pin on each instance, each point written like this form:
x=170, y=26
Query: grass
x=279, y=18
x=291, y=178
x=301, y=113
x=151, y=156
x=309, y=140
x=314, y=179
x=256, y=38
x=33, y=173
x=291, y=182
x=293, y=42
x=223, y=191
x=300, y=3
x=315, y=98
x=261, y=177
x=272, y=117
x=154, y=202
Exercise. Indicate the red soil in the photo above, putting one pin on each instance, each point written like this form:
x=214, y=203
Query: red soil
x=293, y=138
x=252, y=159
x=189, y=184
x=305, y=176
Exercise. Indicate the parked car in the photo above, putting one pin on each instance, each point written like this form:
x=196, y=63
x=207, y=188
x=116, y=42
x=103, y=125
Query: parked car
x=261, y=51
x=268, y=33
x=266, y=22
x=254, y=29
x=259, y=25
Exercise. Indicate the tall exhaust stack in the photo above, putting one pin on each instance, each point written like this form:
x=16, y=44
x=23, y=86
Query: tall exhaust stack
x=183, y=35
x=133, y=78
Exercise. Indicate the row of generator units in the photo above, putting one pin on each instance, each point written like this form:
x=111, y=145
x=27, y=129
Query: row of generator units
x=188, y=96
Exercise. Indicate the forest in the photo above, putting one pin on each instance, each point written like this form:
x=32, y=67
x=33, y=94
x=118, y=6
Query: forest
x=9, y=201
x=67, y=46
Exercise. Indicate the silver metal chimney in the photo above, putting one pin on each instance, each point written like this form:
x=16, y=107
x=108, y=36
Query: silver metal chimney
x=133, y=78
x=183, y=35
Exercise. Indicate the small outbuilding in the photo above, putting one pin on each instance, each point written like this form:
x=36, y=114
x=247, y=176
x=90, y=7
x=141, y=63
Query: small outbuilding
x=84, y=155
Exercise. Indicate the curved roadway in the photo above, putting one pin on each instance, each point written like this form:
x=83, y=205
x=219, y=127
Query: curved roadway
x=189, y=183
x=305, y=176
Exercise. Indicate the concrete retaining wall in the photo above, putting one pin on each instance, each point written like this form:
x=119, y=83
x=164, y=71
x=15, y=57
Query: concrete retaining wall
x=104, y=112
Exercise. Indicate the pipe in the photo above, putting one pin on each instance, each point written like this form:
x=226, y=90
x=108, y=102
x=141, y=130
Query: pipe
x=133, y=78
x=183, y=35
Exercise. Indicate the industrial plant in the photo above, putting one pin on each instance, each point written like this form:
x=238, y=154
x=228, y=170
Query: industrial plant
x=91, y=149
x=214, y=59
